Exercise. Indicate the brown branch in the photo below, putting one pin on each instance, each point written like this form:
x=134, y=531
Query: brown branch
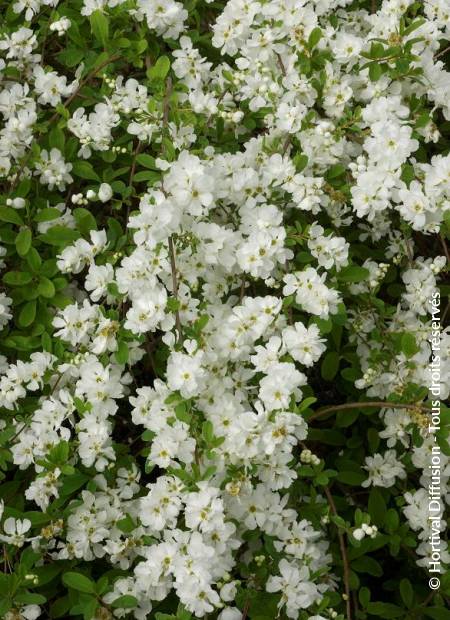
x=365, y=404
x=286, y=144
x=442, y=52
x=242, y=290
x=445, y=248
x=132, y=172
x=83, y=82
x=446, y=311
x=344, y=555
x=173, y=267
x=149, y=351
x=245, y=610
x=281, y=64
x=133, y=165
x=56, y=114
x=166, y=101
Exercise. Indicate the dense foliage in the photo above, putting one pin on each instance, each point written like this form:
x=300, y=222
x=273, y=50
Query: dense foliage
x=223, y=234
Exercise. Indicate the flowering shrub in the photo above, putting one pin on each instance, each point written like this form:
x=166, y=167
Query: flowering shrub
x=223, y=231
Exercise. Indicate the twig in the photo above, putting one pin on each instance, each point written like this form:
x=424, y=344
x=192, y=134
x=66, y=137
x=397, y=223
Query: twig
x=442, y=52
x=281, y=64
x=365, y=404
x=133, y=165
x=286, y=144
x=132, y=171
x=83, y=82
x=242, y=291
x=344, y=555
x=446, y=311
x=148, y=348
x=429, y=598
x=219, y=100
x=245, y=610
x=173, y=264
x=166, y=101
x=173, y=267
x=445, y=248
x=56, y=115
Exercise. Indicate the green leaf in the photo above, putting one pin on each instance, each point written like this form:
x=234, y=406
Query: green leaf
x=366, y=564
x=33, y=259
x=73, y=483
x=29, y=598
x=147, y=161
x=126, y=524
x=409, y=345
x=407, y=592
x=306, y=403
x=335, y=171
x=353, y=273
x=125, y=602
x=84, y=170
x=375, y=71
x=79, y=582
x=56, y=139
x=300, y=161
x=60, y=607
x=377, y=507
x=208, y=431
x=85, y=220
x=353, y=478
x=408, y=174
x=160, y=69
x=385, y=610
x=59, y=235
x=46, y=288
x=364, y=596
x=27, y=314
x=17, y=278
x=47, y=215
x=150, y=175
x=23, y=241
x=314, y=37
x=71, y=56
x=99, y=26
x=11, y=216
x=330, y=365
x=437, y=613
x=59, y=454
x=5, y=606
x=121, y=354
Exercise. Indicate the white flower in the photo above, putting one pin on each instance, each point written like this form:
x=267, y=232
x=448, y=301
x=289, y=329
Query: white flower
x=185, y=373
x=304, y=343
x=146, y=311
x=311, y=293
x=296, y=589
x=383, y=469
x=53, y=170
x=15, y=530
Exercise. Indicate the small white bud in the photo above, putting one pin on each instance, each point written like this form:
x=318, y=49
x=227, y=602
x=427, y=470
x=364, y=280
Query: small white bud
x=105, y=192
x=18, y=203
x=358, y=534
